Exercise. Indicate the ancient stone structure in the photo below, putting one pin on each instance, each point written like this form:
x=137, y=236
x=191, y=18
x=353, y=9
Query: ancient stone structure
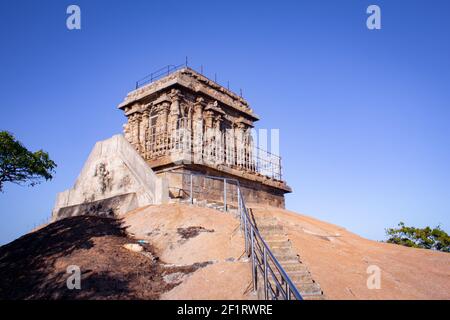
x=114, y=180
x=185, y=122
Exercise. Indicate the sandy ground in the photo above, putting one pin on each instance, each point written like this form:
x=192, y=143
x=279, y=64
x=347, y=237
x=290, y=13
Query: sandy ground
x=218, y=241
x=338, y=261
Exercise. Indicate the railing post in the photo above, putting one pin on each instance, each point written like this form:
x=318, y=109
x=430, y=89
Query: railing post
x=266, y=284
x=224, y=195
x=239, y=206
x=191, y=196
x=254, y=267
x=260, y=253
x=279, y=168
x=246, y=237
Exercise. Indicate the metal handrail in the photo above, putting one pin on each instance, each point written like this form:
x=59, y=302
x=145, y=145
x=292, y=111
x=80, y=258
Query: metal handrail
x=166, y=70
x=291, y=286
x=254, y=242
x=155, y=75
x=227, y=149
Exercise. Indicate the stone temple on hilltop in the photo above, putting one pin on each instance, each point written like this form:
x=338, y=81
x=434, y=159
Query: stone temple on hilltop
x=177, y=124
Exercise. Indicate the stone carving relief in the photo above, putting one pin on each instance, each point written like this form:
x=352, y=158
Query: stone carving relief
x=104, y=177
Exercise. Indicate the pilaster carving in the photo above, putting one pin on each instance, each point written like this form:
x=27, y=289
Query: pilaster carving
x=144, y=133
x=175, y=105
x=198, y=109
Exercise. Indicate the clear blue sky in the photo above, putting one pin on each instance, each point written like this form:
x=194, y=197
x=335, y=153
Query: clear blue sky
x=364, y=115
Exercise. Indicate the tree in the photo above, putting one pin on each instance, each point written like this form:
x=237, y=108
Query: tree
x=19, y=165
x=426, y=238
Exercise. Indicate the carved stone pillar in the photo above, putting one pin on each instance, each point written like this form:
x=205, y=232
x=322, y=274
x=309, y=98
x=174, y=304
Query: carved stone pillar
x=134, y=121
x=174, y=113
x=197, y=117
x=139, y=133
x=198, y=109
x=143, y=132
x=230, y=146
x=218, y=122
x=190, y=114
x=164, y=109
x=240, y=144
x=209, y=119
x=218, y=139
x=197, y=129
x=163, y=127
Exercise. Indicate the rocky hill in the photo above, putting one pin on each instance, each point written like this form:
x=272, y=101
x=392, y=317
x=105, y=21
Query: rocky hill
x=197, y=253
x=338, y=261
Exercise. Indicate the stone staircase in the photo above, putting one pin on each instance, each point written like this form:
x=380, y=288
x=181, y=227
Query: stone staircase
x=278, y=241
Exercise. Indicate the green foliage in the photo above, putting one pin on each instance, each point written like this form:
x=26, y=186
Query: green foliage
x=426, y=238
x=19, y=165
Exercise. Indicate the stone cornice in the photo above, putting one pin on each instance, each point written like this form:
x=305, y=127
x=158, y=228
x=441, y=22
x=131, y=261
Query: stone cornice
x=195, y=82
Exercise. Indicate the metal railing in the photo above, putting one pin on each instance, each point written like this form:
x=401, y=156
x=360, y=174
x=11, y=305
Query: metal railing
x=216, y=147
x=276, y=284
x=166, y=70
x=158, y=74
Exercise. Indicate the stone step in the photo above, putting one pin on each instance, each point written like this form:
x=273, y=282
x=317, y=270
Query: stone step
x=277, y=242
x=266, y=217
x=314, y=297
x=273, y=235
x=277, y=239
x=289, y=266
x=305, y=279
x=282, y=250
x=309, y=289
x=301, y=271
x=285, y=257
x=298, y=279
x=274, y=226
x=279, y=245
x=265, y=222
x=301, y=278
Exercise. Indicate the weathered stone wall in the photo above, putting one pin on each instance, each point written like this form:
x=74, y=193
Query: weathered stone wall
x=109, y=207
x=210, y=189
x=113, y=169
